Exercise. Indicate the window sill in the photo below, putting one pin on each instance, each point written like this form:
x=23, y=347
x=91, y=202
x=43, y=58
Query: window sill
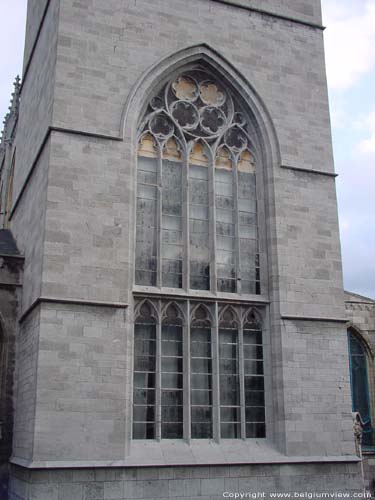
x=175, y=293
x=197, y=453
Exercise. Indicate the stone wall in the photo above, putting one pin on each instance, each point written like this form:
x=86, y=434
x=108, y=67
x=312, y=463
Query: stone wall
x=193, y=483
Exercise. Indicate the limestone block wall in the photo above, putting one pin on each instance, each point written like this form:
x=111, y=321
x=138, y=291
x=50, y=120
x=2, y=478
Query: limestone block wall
x=37, y=95
x=86, y=245
x=81, y=386
x=308, y=11
x=193, y=483
x=28, y=225
x=35, y=12
x=26, y=380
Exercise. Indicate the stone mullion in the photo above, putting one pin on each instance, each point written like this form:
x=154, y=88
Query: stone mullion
x=187, y=374
x=215, y=375
x=186, y=222
x=159, y=221
x=241, y=373
x=212, y=225
x=237, y=228
x=158, y=375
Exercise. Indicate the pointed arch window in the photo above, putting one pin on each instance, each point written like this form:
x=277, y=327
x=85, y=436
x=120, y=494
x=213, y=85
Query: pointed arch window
x=197, y=220
x=359, y=381
x=198, y=371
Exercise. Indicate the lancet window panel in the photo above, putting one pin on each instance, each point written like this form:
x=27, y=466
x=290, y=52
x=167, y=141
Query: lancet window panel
x=197, y=214
x=198, y=371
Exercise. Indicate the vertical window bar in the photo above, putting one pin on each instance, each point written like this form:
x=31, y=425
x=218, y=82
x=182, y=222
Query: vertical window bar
x=248, y=224
x=199, y=218
x=158, y=375
x=185, y=218
x=212, y=227
x=146, y=261
x=171, y=215
x=237, y=230
x=187, y=371
x=225, y=222
x=242, y=383
x=254, y=380
x=159, y=220
x=145, y=358
x=201, y=379
x=216, y=375
x=230, y=409
x=172, y=402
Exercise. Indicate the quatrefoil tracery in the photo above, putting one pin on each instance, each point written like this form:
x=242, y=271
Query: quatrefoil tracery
x=196, y=106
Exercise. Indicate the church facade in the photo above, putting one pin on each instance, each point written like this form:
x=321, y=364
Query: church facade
x=179, y=327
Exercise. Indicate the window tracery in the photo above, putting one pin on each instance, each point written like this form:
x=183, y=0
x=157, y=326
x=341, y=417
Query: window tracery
x=198, y=371
x=197, y=224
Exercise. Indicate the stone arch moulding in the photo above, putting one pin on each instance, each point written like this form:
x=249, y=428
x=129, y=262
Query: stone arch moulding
x=159, y=73
x=361, y=337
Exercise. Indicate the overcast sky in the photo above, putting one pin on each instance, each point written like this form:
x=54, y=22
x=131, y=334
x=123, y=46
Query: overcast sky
x=350, y=55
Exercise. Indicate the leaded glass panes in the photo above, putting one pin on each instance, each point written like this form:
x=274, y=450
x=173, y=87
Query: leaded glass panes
x=172, y=242
x=201, y=378
x=147, y=209
x=360, y=386
x=197, y=221
x=215, y=366
x=199, y=218
x=144, y=381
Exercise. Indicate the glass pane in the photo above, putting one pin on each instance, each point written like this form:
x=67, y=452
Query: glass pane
x=253, y=367
x=144, y=413
x=201, y=365
x=252, y=337
x=171, y=398
x=146, y=235
x=199, y=381
x=230, y=414
x=255, y=430
x=145, y=348
x=201, y=430
x=229, y=395
x=200, y=349
x=199, y=228
x=255, y=414
x=144, y=396
x=252, y=352
x=255, y=383
x=171, y=413
x=145, y=380
x=171, y=431
x=171, y=380
x=201, y=397
x=145, y=363
x=172, y=248
x=143, y=431
x=230, y=430
x=171, y=332
x=254, y=398
x=248, y=230
x=201, y=414
x=171, y=364
x=171, y=348
x=200, y=335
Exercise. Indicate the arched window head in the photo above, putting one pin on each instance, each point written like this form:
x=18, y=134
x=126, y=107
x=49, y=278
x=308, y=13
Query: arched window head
x=197, y=222
x=359, y=382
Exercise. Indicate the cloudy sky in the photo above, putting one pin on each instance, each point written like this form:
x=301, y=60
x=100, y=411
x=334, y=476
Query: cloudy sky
x=350, y=55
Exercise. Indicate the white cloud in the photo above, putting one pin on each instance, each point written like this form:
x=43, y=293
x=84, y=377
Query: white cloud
x=368, y=124
x=349, y=41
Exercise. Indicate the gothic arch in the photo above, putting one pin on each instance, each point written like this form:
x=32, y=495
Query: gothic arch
x=160, y=72
x=357, y=332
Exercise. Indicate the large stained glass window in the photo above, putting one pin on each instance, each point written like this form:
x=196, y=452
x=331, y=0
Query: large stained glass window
x=198, y=371
x=197, y=222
